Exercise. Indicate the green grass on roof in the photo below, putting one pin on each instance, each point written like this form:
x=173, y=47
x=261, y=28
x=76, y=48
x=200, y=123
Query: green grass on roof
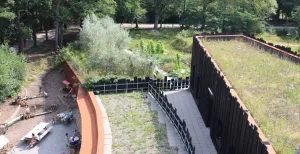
x=269, y=87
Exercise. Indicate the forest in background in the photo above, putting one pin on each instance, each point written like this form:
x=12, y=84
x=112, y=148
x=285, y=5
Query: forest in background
x=22, y=19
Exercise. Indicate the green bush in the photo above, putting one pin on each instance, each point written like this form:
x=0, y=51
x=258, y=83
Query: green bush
x=159, y=47
x=181, y=44
x=93, y=77
x=177, y=62
x=12, y=72
x=150, y=48
x=168, y=67
x=102, y=49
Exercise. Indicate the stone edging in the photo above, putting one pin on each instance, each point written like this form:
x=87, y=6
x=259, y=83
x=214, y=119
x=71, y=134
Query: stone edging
x=107, y=129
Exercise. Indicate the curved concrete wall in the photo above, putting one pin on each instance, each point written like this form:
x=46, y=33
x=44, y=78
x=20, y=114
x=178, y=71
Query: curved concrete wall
x=91, y=115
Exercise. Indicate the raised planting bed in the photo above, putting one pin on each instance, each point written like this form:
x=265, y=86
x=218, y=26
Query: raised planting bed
x=268, y=85
x=135, y=127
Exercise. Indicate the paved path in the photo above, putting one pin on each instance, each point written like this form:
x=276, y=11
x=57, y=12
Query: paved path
x=281, y=27
x=53, y=143
x=187, y=110
x=173, y=137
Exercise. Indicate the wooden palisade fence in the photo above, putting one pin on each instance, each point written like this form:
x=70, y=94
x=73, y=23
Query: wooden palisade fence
x=232, y=129
x=154, y=87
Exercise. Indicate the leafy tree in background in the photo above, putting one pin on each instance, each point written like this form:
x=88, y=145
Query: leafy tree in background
x=162, y=7
x=296, y=17
x=6, y=19
x=12, y=72
x=130, y=10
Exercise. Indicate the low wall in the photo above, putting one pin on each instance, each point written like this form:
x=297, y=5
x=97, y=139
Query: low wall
x=91, y=115
x=232, y=128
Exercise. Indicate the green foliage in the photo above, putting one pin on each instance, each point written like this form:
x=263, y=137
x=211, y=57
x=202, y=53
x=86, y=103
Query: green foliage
x=182, y=45
x=150, y=48
x=159, y=47
x=12, y=72
x=26, y=32
x=92, y=78
x=177, y=62
x=106, y=55
x=296, y=17
x=142, y=45
x=129, y=10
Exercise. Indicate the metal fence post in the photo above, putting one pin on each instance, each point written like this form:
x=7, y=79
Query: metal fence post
x=104, y=88
x=116, y=87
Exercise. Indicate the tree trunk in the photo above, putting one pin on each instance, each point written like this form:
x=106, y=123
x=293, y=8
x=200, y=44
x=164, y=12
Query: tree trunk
x=56, y=35
x=277, y=15
x=19, y=37
x=46, y=32
x=203, y=17
x=1, y=38
x=156, y=15
x=34, y=34
x=34, y=38
x=57, y=29
x=161, y=22
x=61, y=35
x=136, y=23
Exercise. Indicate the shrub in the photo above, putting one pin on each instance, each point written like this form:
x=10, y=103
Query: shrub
x=150, y=48
x=142, y=45
x=12, y=72
x=159, y=47
x=102, y=50
x=177, y=62
x=168, y=67
x=181, y=44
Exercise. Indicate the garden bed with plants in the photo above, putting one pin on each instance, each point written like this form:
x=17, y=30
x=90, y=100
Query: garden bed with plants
x=123, y=55
x=268, y=86
x=135, y=127
x=176, y=45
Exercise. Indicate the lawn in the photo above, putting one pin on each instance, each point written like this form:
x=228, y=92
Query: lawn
x=281, y=40
x=172, y=46
x=135, y=127
x=269, y=87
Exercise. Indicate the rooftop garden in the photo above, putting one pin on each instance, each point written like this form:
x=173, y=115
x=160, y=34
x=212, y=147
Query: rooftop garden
x=268, y=86
x=135, y=127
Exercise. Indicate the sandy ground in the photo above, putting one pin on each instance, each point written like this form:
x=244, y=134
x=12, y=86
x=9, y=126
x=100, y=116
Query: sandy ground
x=51, y=82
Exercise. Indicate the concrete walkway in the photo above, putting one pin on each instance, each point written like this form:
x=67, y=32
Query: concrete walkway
x=53, y=143
x=187, y=109
x=173, y=137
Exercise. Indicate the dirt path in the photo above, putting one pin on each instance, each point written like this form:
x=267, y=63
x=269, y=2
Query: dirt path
x=51, y=82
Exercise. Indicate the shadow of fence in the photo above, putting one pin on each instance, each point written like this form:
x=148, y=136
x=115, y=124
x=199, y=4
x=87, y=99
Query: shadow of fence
x=171, y=112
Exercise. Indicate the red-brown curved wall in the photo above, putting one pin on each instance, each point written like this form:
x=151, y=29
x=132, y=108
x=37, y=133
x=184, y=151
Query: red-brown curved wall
x=91, y=119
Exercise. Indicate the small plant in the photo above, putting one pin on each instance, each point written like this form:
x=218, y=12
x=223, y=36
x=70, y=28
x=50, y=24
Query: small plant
x=159, y=47
x=177, y=62
x=150, y=48
x=142, y=45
